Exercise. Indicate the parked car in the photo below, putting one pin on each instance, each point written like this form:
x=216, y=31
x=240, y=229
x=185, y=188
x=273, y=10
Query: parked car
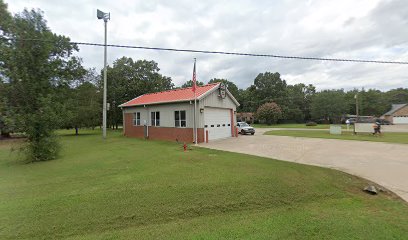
x=244, y=128
x=352, y=120
x=383, y=122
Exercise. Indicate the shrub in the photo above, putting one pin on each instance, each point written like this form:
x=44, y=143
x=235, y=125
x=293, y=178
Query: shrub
x=311, y=124
x=270, y=112
x=42, y=149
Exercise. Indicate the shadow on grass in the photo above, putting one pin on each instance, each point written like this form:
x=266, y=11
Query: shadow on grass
x=77, y=135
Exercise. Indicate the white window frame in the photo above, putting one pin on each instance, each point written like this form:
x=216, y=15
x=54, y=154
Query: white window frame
x=136, y=120
x=155, y=121
x=180, y=120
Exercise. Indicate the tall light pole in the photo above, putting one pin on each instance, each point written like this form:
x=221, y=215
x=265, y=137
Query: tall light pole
x=105, y=17
x=356, y=97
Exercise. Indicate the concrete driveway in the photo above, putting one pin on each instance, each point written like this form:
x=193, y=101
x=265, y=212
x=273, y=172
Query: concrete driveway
x=383, y=163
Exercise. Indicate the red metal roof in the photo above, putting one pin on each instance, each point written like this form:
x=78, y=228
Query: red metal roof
x=175, y=95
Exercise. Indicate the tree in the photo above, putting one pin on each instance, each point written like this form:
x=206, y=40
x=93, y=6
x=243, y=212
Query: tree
x=232, y=88
x=33, y=70
x=189, y=83
x=5, y=118
x=270, y=87
x=270, y=112
x=397, y=96
x=297, y=106
x=84, y=108
x=329, y=105
x=7, y=124
x=248, y=100
x=128, y=79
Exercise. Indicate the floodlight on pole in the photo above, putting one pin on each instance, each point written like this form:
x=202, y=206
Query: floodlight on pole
x=105, y=17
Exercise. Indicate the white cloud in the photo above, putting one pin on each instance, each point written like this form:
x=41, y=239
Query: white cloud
x=367, y=29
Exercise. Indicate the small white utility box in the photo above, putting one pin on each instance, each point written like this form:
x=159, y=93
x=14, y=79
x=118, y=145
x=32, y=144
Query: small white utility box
x=335, y=129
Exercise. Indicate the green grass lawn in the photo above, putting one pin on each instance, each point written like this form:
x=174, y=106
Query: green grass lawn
x=297, y=125
x=125, y=188
x=390, y=137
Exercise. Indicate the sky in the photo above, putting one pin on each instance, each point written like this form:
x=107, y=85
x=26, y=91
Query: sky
x=363, y=29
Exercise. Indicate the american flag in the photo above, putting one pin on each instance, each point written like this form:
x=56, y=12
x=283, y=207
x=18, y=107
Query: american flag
x=194, y=76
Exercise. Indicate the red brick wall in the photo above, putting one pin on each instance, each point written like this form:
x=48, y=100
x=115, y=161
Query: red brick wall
x=162, y=133
x=130, y=130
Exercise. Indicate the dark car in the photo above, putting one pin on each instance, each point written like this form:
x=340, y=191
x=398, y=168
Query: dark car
x=351, y=120
x=383, y=122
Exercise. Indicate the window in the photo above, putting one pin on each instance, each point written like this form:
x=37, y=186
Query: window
x=180, y=118
x=136, y=119
x=155, y=118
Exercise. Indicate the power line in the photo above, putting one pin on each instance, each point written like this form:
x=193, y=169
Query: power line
x=225, y=53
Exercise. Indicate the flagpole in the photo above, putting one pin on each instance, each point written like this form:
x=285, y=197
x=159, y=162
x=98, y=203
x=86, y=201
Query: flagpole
x=195, y=106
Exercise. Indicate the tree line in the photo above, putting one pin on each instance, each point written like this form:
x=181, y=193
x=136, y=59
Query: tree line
x=44, y=87
x=301, y=102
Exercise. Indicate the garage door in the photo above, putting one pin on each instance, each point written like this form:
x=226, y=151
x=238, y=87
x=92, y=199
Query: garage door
x=400, y=120
x=217, y=121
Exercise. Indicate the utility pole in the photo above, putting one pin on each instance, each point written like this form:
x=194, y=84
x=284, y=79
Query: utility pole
x=356, y=97
x=354, y=125
x=105, y=17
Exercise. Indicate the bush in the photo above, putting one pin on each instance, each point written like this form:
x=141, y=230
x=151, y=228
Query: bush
x=270, y=112
x=42, y=143
x=42, y=149
x=311, y=124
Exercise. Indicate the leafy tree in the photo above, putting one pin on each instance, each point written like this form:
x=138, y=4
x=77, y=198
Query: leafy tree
x=270, y=87
x=33, y=70
x=232, y=88
x=330, y=105
x=297, y=106
x=5, y=120
x=248, y=100
x=128, y=79
x=396, y=96
x=270, y=112
x=189, y=83
x=7, y=124
x=84, y=109
x=372, y=102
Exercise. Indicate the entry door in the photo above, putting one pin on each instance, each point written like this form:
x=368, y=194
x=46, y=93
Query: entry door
x=217, y=121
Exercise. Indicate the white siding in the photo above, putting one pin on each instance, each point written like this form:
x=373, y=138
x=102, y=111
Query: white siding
x=166, y=113
x=167, y=110
x=213, y=100
x=400, y=120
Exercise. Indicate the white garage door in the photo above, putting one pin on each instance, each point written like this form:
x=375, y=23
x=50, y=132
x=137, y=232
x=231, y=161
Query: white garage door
x=217, y=121
x=400, y=120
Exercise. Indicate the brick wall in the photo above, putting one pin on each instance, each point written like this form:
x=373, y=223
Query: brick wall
x=130, y=130
x=162, y=133
x=402, y=112
x=388, y=118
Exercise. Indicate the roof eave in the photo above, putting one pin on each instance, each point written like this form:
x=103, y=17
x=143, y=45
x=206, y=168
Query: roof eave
x=215, y=88
x=124, y=104
x=157, y=103
x=208, y=92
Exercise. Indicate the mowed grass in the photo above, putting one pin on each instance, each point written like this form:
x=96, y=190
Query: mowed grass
x=390, y=137
x=297, y=125
x=125, y=188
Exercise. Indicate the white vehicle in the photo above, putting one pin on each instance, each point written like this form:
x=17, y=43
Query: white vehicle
x=244, y=128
